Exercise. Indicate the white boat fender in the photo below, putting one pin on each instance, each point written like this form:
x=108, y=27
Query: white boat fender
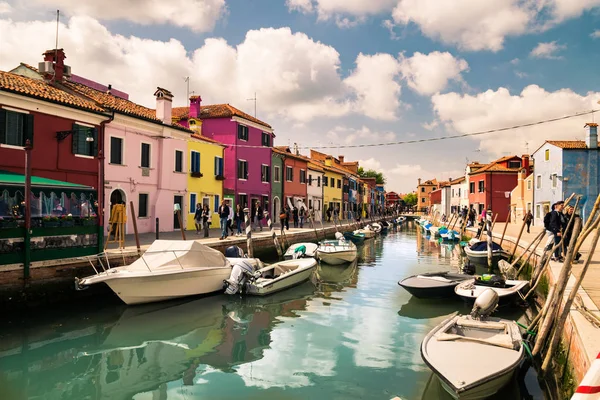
x=485, y=304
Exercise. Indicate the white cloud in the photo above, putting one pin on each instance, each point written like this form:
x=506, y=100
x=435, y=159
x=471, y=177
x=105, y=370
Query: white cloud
x=547, y=50
x=295, y=77
x=484, y=25
x=5, y=8
x=370, y=163
x=515, y=61
x=430, y=125
x=375, y=82
x=498, y=109
x=389, y=25
x=198, y=15
x=303, y=6
x=347, y=23
x=430, y=73
x=347, y=136
x=406, y=170
x=595, y=34
x=521, y=74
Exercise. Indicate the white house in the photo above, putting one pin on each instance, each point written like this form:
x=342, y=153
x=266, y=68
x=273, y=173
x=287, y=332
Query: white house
x=314, y=190
x=459, y=194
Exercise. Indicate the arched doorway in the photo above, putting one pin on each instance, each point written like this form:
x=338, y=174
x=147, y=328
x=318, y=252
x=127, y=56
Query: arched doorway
x=117, y=196
x=276, y=208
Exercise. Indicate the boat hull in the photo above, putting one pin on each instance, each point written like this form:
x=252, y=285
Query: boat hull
x=480, y=257
x=507, y=296
x=338, y=257
x=285, y=282
x=483, y=391
x=430, y=293
x=431, y=285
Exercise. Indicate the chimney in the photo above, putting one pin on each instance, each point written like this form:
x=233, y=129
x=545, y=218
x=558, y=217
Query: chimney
x=341, y=158
x=591, y=135
x=419, y=180
x=57, y=58
x=164, y=105
x=109, y=90
x=525, y=162
x=195, y=102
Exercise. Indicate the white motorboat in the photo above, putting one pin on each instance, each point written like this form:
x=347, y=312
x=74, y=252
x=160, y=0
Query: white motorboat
x=365, y=231
x=507, y=290
x=269, y=279
x=169, y=269
x=477, y=252
x=301, y=250
x=337, y=251
x=489, y=351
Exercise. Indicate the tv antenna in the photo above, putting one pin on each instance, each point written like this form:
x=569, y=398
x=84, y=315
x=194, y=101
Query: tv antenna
x=254, y=100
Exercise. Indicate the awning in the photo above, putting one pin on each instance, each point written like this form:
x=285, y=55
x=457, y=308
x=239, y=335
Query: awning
x=14, y=182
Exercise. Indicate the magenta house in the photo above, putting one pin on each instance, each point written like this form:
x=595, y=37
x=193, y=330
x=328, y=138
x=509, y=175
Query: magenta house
x=247, y=158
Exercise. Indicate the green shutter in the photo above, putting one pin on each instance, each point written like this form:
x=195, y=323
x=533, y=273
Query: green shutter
x=75, y=136
x=95, y=143
x=28, y=129
x=2, y=125
x=216, y=166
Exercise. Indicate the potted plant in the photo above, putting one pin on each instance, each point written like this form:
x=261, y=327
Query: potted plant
x=50, y=221
x=88, y=221
x=8, y=222
x=67, y=221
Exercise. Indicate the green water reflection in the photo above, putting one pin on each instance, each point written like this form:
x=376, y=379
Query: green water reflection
x=354, y=334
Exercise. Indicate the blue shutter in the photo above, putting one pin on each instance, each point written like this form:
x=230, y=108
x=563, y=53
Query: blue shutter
x=217, y=203
x=192, y=203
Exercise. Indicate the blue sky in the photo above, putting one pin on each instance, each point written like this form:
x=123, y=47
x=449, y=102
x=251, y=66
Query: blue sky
x=453, y=67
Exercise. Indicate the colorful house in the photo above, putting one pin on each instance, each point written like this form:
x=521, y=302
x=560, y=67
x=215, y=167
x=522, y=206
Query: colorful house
x=314, y=191
x=521, y=197
x=490, y=186
x=276, y=184
x=205, y=178
x=247, y=158
x=423, y=191
x=295, y=168
x=459, y=194
x=563, y=167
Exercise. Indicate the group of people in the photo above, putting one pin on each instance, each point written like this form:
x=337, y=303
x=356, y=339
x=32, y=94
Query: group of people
x=298, y=215
x=227, y=219
x=556, y=223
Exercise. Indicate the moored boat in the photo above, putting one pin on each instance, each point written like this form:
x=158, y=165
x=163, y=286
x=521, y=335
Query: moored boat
x=301, y=250
x=477, y=252
x=169, y=269
x=433, y=284
x=336, y=252
x=355, y=237
x=507, y=290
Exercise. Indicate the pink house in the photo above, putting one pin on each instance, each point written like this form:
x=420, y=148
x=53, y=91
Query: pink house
x=247, y=158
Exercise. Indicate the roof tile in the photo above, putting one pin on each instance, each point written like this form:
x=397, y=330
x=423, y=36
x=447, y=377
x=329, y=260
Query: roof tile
x=217, y=111
x=568, y=144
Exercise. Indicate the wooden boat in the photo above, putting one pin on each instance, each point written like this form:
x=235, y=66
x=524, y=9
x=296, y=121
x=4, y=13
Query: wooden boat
x=169, y=269
x=336, y=252
x=355, y=237
x=490, y=350
x=507, y=290
x=301, y=250
x=368, y=233
x=269, y=279
x=433, y=284
x=477, y=252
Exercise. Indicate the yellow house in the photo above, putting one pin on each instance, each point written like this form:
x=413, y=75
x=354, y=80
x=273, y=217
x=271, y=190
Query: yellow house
x=521, y=197
x=205, y=177
x=332, y=192
x=366, y=198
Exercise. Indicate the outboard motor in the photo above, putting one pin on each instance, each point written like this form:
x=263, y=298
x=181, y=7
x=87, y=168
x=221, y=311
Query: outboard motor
x=485, y=304
x=241, y=272
x=234, y=252
x=339, y=236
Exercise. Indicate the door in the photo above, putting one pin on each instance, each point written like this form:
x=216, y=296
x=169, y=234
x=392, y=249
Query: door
x=178, y=200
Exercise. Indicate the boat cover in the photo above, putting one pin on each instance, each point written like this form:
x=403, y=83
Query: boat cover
x=178, y=253
x=482, y=246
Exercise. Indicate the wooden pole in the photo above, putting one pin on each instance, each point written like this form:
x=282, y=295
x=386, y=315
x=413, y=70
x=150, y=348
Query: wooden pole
x=274, y=236
x=249, y=248
x=489, y=226
x=135, y=230
x=180, y=224
x=310, y=219
x=494, y=223
x=537, y=239
x=562, y=319
x=518, y=240
x=505, y=225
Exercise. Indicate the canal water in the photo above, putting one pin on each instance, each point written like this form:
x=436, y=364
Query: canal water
x=351, y=334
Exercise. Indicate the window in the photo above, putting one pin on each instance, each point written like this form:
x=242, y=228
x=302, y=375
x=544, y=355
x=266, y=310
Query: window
x=85, y=140
x=192, y=203
x=339, y=183
x=528, y=207
x=217, y=204
x=178, y=161
x=422, y=190
x=218, y=166
x=265, y=140
x=453, y=193
x=554, y=178
x=481, y=186
x=195, y=162
x=309, y=182
x=538, y=182
x=142, y=205
x=116, y=150
x=538, y=210
x=458, y=195
x=422, y=199
x=472, y=187
x=242, y=169
x=529, y=184
x=242, y=132
x=514, y=164
x=264, y=173
x=325, y=181
x=318, y=181
x=276, y=174
x=302, y=176
x=547, y=155
x=289, y=174
x=15, y=128
x=145, y=163
x=332, y=182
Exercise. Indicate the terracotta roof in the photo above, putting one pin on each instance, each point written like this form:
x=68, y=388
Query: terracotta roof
x=314, y=166
x=205, y=139
x=42, y=90
x=115, y=103
x=568, y=144
x=493, y=167
x=457, y=180
x=217, y=111
x=285, y=150
x=430, y=182
x=505, y=158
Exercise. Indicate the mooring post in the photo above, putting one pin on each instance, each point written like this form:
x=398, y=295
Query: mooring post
x=312, y=224
x=135, y=231
x=505, y=225
x=157, y=230
x=488, y=219
x=274, y=236
x=249, y=248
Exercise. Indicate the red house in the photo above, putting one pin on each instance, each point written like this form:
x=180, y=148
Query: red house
x=294, y=177
x=491, y=184
x=391, y=199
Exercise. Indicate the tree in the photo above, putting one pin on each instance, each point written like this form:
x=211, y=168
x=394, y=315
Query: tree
x=410, y=199
x=371, y=174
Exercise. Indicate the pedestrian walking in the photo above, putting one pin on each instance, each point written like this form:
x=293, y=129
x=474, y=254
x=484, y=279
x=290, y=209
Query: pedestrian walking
x=284, y=218
x=301, y=216
x=528, y=218
x=198, y=218
x=569, y=231
x=230, y=219
x=328, y=213
x=239, y=219
x=223, y=215
x=553, y=226
x=205, y=219
x=295, y=216
x=259, y=215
